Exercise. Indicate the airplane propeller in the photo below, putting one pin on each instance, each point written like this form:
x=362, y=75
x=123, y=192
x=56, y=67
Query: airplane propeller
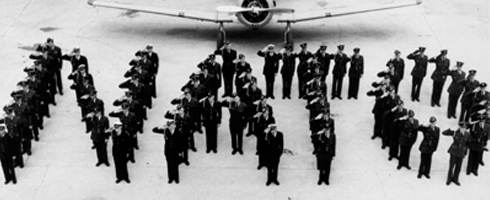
x=236, y=9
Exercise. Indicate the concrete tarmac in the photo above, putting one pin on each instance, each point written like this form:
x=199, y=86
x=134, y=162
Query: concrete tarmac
x=62, y=165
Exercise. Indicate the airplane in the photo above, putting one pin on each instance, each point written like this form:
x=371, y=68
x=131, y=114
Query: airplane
x=254, y=13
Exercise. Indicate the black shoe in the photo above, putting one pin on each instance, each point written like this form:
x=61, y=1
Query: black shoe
x=93, y=147
x=234, y=152
x=448, y=182
x=61, y=93
x=391, y=158
x=7, y=182
x=289, y=97
x=373, y=137
x=177, y=181
x=137, y=147
x=118, y=181
x=408, y=167
x=482, y=163
x=194, y=149
x=399, y=167
x=417, y=99
x=41, y=127
x=36, y=139
x=438, y=105
x=468, y=173
x=267, y=184
x=128, y=181
x=319, y=182
x=132, y=160
x=29, y=153
x=187, y=163
x=340, y=98
x=272, y=97
x=240, y=151
x=328, y=183
x=277, y=183
x=427, y=176
x=457, y=183
x=248, y=134
x=207, y=151
x=475, y=173
x=419, y=176
x=14, y=181
x=383, y=147
x=215, y=151
x=107, y=164
x=259, y=167
x=98, y=164
x=170, y=181
x=283, y=97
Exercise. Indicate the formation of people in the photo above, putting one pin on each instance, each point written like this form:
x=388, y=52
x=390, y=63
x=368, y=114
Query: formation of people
x=398, y=128
x=199, y=107
x=24, y=115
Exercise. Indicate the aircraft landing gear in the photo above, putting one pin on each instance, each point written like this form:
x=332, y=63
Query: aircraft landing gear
x=288, y=35
x=221, y=37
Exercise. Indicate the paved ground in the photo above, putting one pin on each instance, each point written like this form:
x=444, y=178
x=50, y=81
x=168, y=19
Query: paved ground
x=62, y=166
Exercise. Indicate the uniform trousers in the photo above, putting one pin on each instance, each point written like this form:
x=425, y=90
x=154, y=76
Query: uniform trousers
x=8, y=168
x=437, y=87
x=404, y=158
x=172, y=167
x=101, y=149
x=121, y=164
x=465, y=113
x=337, y=86
x=228, y=82
x=425, y=163
x=272, y=168
x=287, y=81
x=454, y=168
x=452, y=104
x=353, y=87
x=236, y=132
x=269, y=81
x=474, y=159
x=211, y=136
x=416, y=85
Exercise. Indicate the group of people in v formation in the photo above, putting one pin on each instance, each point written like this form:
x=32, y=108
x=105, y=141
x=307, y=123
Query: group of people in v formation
x=199, y=107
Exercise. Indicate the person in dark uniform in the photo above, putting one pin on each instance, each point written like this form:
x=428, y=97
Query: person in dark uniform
x=120, y=147
x=242, y=68
x=153, y=69
x=455, y=89
x=407, y=138
x=418, y=72
x=479, y=134
x=12, y=123
x=304, y=55
x=355, y=73
x=388, y=103
x=396, y=116
x=100, y=124
x=237, y=122
x=22, y=110
x=324, y=59
x=326, y=143
x=271, y=67
x=399, y=66
x=129, y=123
x=211, y=118
x=171, y=149
x=55, y=53
x=287, y=70
x=339, y=70
x=263, y=120
x=457, y=150
x=228, y=55
x=76, y=59
x=439, y=76
x=6, y=153
x=469, y=85
x=274, y=146
x=428, y=146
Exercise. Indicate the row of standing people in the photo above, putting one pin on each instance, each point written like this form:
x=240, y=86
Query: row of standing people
x=24, y=115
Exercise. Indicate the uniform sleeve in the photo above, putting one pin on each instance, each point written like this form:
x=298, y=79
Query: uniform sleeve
x=334, y=144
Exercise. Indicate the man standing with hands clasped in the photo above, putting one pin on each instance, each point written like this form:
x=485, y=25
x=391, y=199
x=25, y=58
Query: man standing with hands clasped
x=271, y=67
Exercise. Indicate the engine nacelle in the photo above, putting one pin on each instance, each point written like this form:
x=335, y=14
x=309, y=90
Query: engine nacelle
x=256, y=19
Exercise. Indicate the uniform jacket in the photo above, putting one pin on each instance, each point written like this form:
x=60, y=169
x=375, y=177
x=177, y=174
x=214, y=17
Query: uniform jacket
x=398, y=65
x=274, y=146
x=459, y=147
x=456, y=87
x=6, y=147
x=420, y=68
x=469, y=86
x=431, y=139
x=288, y=64
x=442, y=67
x=478, y=137
x=99, y=126
x=153, y=57
x=356, y=66
x=76, y=61
x=324, y=60
x=121, y=144
x=128, y=121
x=271, y=65
x=408, y=135
x=340, y=67
x=303, y=65
x=13, y=126
x=172, y=141
x=211, y=114
x=228, y=57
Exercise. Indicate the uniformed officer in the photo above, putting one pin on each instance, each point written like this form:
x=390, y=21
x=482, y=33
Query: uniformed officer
x=439, y=76
x=211, y=118
x=263, y=120
x=399, y=67
x=455, y=89
x=76, y=59
x=242, y=67
x=457, y=151
x=304, y=55
x=428, y=146
x=55, y=53
x=153, y=69
x=228, y=55
x=418, y=72
x=324, y=59
x=14, y=127
x=469, y=85
x=287, y=70
x=408, y=136
x=120, y=147
x=479, y=134
x=326, y=143
x=171, y=150
x=271, y=67
x=100, y=124
x=397, y=116
x=6, y=153
x=129, y=123
x=237, y=122
x=274, y=146
x=355, y=73
x=339, y=70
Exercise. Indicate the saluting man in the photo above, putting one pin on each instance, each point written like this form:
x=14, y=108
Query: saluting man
x=439, y=76
x=457, y=150
x=418, y=72
x=287, y=70
x=304, y=55
x=326, y=144
x=171, y=149
x=455, y=89
x=271, y=67
x=428, y=146
x=229, y=55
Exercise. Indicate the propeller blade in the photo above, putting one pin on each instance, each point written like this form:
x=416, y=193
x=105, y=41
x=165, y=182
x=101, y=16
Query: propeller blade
x=276, y=10
x=232, y=9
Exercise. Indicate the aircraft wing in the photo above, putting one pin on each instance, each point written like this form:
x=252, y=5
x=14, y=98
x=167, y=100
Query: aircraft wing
x=201, y=16
x=312, y=15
